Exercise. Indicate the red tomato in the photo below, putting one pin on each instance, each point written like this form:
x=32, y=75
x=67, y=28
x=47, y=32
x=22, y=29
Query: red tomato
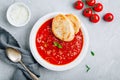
x=98, y=7
x=90, y=2
x=78, y=5
x=94, y=18
x=87, y=12
x=108, y=17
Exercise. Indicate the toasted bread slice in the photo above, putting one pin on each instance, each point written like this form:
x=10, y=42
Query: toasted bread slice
x=75, y=22
x=62, y=28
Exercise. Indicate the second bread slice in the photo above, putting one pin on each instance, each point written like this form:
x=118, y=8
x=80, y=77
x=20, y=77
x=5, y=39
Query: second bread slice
x=75, y=22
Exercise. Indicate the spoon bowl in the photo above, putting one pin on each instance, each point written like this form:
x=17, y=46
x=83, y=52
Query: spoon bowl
x=13, y=54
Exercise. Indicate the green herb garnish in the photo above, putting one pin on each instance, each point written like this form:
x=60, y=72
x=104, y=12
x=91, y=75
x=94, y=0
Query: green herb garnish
x=57, y=44
x=88, y=68
x=92, y=53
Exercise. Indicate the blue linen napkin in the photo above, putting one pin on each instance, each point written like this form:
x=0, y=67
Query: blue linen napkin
x=7, y=40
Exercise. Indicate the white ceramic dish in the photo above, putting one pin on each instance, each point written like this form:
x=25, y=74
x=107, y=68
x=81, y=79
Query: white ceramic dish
x=44, y=63
x=11, y=8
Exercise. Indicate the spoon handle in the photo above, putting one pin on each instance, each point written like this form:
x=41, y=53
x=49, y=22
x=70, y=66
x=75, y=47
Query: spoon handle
x=34, y=77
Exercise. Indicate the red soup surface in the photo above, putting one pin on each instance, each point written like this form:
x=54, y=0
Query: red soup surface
x=66, y=53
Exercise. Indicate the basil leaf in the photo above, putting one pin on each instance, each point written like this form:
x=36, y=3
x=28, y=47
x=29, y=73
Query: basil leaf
x=88, y=68
x=57, y=44
x=92, y=53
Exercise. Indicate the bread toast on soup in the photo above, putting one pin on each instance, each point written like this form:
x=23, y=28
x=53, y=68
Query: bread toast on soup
x=75, y=22
x=62, y=28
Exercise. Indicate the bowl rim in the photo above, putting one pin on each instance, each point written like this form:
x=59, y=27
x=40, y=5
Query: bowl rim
x=10, y=8
x=44, y=63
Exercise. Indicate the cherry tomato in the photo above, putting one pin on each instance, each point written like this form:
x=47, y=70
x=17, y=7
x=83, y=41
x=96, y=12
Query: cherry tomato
x=90, y=2
x=108, y=17
x=98, y=7
x=87, y=12
x=94, y=18
x=78, y=5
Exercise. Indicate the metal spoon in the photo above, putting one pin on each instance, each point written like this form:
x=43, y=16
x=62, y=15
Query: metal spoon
x=15, y=56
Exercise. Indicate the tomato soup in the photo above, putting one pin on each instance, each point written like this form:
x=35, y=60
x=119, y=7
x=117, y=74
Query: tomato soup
x=64, y=53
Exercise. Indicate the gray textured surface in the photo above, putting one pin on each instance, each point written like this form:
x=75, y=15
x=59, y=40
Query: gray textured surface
x=104, y=40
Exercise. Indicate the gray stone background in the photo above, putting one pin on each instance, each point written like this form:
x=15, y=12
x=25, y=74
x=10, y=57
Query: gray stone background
x=104, y=40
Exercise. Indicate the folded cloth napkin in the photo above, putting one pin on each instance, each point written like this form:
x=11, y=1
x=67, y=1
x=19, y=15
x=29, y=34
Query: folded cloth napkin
x=7, y=40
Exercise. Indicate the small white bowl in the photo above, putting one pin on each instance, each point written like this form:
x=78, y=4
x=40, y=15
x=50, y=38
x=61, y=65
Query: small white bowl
x=10, y=10
x=44, y=63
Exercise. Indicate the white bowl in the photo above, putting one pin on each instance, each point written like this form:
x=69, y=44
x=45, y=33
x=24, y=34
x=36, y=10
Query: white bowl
x=44, y=63
x=11, y=8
